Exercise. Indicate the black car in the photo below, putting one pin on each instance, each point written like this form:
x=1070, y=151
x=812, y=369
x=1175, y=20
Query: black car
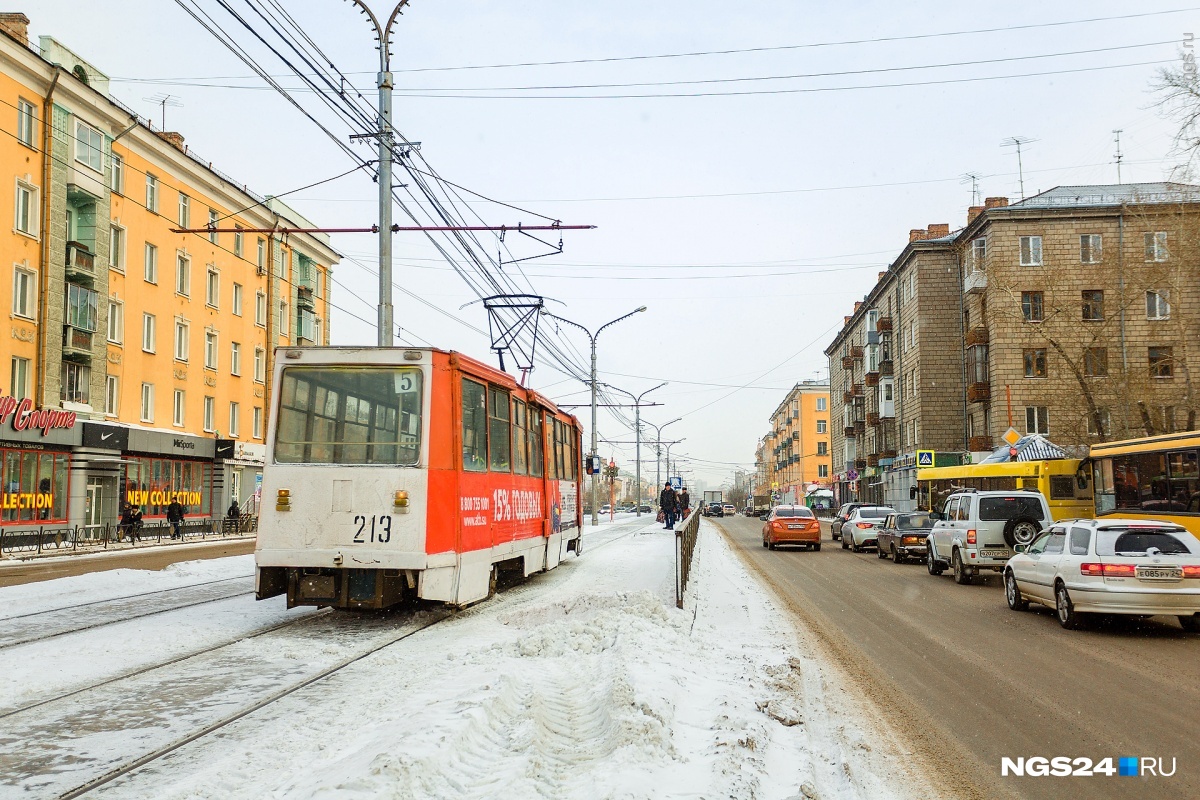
x=843, y=514
x=714, y=510
x=903, y=536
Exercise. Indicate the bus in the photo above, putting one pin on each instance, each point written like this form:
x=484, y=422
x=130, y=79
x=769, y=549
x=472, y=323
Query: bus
x=1155, y=476
x=1064, y=482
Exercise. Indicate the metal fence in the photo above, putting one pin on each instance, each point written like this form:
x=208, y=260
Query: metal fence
x=89, y=538
x=685, y=546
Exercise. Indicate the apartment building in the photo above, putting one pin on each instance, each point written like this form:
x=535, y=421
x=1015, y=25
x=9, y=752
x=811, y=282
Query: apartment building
x=797, y=450
x=149, y=348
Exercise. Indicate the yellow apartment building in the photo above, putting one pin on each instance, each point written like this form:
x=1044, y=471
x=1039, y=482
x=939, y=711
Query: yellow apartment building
x=796, y=451
x=137, y=355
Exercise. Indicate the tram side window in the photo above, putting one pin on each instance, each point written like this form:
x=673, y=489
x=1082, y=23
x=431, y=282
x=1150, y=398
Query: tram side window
x=559, y=460
x=498, y=430
x=474, y=426
x=535, y=442
x=1140, y=483
x=1185, y=480
x=519, y=424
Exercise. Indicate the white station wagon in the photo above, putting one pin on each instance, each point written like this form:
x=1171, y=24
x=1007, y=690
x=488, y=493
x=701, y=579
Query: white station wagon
x=1108, y=566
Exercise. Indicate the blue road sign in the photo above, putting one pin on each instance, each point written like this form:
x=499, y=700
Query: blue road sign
x=677, y=483
x=925, y=458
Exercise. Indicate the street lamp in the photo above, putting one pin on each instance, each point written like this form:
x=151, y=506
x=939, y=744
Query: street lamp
x=658, y=429
x=383, y=82
x=637, y=426
x=592, y=337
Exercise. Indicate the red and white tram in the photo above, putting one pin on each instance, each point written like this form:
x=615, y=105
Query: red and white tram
x=395, y=473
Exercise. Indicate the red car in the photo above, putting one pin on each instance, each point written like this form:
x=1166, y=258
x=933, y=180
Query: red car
x=791, y=525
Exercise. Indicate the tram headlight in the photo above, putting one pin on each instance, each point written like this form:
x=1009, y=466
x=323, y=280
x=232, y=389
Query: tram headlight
x=401, y=499
x=283, y=500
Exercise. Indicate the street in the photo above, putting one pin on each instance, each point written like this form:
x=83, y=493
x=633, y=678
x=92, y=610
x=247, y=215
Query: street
x=975, y=682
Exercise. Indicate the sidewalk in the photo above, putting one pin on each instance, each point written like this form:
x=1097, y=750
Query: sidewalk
x=48, y=566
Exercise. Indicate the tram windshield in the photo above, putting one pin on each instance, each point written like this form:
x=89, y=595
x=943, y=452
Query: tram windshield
x=349, y=415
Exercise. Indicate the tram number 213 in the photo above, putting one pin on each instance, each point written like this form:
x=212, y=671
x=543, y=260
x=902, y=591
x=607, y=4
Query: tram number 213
x=373, y=529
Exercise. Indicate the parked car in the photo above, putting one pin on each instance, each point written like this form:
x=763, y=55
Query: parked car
x=839, y=519
x=729, y=510
x=1108, y=566
x=791, y=525
x=606, y=509
x=860, y=530
x=902, y=536
x=977, y=531
x=645, y=509
x=715, y=510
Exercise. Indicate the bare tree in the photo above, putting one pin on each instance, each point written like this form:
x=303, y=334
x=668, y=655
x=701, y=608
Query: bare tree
x=1178, y=93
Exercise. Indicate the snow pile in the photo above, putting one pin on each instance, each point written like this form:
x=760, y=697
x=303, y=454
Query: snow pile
x=585, y=682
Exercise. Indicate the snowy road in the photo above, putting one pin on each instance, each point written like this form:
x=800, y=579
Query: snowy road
x=584, y=682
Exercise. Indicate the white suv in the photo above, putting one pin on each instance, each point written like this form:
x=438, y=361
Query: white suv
x=978, y=530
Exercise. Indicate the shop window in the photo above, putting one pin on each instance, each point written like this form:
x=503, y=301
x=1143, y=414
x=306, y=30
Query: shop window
x=153, y=483
x=34, y=487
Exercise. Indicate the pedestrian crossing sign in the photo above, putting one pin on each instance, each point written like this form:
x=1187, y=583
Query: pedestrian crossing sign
x=925, y=458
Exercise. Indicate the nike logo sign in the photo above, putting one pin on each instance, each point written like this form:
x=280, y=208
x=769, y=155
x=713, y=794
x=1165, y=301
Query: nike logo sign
x=105, y=436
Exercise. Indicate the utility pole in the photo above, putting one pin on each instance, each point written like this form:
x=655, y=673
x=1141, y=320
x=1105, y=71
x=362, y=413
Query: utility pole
x=637, y=426
x=383, y=82
x=595, y=435
x=658, y=429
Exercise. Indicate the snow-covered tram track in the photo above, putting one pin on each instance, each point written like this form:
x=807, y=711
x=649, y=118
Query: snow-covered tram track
x=42, y=625
x=76, y=742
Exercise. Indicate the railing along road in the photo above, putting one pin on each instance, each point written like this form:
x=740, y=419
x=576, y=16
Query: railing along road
x=685, y=546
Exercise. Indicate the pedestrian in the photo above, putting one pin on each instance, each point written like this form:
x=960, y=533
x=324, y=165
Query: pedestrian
x=232, y=516
x=125, y=527
x=668, y=502
x=135, y=524
x=685, y=503
x=175, y=518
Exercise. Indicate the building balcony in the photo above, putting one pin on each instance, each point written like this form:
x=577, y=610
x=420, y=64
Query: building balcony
x=887, y=454
x=979, y=391
x=856, y=389
x=856, y=352
x=847, y=362
x=860, y=463
x=873, y=460
x=885, y=367
x=850, y=431
x=304, y=296
x=975, y=282
x=978, y=444
x=883, y=324
x=860, y=426
x=871, y=379
x=847, y=397
x=977, y=336
x=77, y=344
x=872, y=418
x=81, y=263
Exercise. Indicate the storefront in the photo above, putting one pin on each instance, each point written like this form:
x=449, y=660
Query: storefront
x=35, y=456
x=242, y=465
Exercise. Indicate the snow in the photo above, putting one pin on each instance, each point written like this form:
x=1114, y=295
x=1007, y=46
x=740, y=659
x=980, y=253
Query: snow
x=584, y=682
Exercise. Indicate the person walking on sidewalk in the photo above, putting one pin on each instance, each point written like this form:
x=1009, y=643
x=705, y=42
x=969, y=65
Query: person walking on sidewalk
x=685, y=503
x=135, y=524
x=668, y=502
x=175, y=518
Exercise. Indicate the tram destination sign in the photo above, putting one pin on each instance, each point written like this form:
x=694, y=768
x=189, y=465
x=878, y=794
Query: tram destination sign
x=23, y=416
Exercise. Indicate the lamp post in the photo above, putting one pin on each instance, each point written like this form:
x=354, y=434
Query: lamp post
x=658, y=429
x=637, y=426
x=595, y=439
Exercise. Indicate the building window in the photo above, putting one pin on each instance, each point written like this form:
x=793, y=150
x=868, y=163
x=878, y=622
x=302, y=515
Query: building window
x=183, y=275
x=185, y=210
x=151, y=193
x=24, y=293
x=306, y=327
x=978, y=251
x=260, y=365
x=1095, y=362
x=116, y=181
x=147, y=402
x=1162, y=362
x=25, y=217
x=26, y=123
x=150, y=264
x=235, y=358
x=318, y=331
x=210, y=349
x=1031, y=251
x=1035, y=362
x=262, y=256
x=238, y=244
x=76, y=379
x=210, y=414
x=912, y=334
x=179, y=408
x=234, y=419
x=1156, y=246
x=116, y=322
x=1105, y=422
x=20, y=378
x=237, y=299
x=1157, y=306
x=89, y=146
x=1090, y=248
x=1093, y=305
x=257, y=416
x=822, y=470
x=283, y=318
x=112, y=395
x=213, y=219
x=822, y=426
x=260, y=309
x=181, y=340
x=1031, y=306
x=82, y=307
x=212, y=287
x=116, y=248
x=822, y=404
x=148, y=332
x=1037, y=420
x=822, y=448
x=320, y=283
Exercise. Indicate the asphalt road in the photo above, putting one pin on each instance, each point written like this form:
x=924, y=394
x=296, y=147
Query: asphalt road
x=967, y=681
x=155, y=557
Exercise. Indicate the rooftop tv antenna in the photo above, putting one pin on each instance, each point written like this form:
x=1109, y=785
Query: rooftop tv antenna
x=1117, y=132
x=163, y=101
x=973, y=179
x=1018, y=142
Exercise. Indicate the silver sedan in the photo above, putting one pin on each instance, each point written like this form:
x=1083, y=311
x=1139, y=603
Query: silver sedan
x=1108, y=566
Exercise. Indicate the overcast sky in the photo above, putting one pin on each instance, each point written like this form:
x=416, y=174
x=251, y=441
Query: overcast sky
x=748, y=224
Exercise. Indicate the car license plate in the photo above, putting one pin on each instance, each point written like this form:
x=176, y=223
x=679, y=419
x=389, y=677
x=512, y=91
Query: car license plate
x=794, y=527
x=995, y=553
x=1160, y=573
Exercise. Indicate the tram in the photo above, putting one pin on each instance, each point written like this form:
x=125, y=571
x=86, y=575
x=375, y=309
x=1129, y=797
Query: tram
x=395, y=473
x=1156, y=476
